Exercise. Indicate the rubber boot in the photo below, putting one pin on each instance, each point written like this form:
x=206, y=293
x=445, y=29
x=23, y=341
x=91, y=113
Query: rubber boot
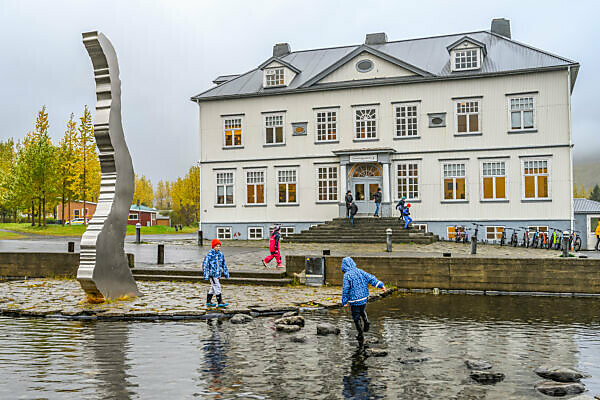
x=366, y=322
x=359, y=328
x=209, y=300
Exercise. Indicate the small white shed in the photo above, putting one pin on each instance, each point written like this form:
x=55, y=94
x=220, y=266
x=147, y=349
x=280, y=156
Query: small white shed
x=587, y=215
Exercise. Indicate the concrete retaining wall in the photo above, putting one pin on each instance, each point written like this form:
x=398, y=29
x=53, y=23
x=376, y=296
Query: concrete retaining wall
x=569, y=275
x=42, y=265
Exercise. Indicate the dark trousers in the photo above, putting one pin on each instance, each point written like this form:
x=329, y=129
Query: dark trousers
x=598, y=243
x=347, y=210
x=358, y=313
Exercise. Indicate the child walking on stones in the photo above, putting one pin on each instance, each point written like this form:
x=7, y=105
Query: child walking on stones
x=356, y=293
x=213, y=266
x=274, y=248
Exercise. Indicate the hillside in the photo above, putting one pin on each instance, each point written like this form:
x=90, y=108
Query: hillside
x=586, y=172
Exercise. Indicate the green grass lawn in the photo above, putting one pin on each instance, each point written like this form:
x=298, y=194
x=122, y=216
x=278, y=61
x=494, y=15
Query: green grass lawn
x=77, y=230
x=10, y=235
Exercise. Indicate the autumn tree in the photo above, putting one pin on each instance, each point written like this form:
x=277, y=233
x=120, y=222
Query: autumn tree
x=8, y=200
x=87, y=167
x=143, y=193
x=185, y=195
x=162, y=195
x=67, y=157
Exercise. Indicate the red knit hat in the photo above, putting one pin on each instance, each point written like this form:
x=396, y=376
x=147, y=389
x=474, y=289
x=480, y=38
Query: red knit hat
x=408, y=205
x=215, y=242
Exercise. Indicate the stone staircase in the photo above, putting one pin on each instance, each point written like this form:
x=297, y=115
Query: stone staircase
x=365, y=230
x=266, y=277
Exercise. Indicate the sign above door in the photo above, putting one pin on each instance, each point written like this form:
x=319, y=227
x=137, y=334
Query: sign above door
x=364, y=158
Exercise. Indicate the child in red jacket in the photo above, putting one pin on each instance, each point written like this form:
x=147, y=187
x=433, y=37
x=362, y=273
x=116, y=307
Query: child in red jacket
x=274, y=248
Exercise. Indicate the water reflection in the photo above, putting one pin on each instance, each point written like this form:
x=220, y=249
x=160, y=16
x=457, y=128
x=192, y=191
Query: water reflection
x=215, y=358
x=357, y=384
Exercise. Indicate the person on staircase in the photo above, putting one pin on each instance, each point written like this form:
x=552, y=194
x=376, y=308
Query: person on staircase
x=213, y=266
x=274, y=248
x=353, y=211
x=349, y=199
x=377, y=199
x=400, y=206
x=406, y=215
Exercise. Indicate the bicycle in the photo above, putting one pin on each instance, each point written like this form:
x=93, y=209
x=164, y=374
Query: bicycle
x=514, y=238
x=525, y=242
x=503, y=238
x=544, y=241
x=535, y=239
x=575, y=241
x=555, y=239
x=460, y=234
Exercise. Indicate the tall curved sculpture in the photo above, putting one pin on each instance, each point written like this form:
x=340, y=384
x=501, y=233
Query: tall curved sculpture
x=103, y=268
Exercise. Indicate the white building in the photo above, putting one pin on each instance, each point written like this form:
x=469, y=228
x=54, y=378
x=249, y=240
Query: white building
x=470, y=127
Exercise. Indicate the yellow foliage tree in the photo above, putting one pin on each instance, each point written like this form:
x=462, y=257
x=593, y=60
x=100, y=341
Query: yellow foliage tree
x=87, y=166
x=185, y=196
x=67, y=156
x=143, y=191
x=162, y=195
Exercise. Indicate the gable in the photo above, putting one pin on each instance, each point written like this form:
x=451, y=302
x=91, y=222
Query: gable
x=381, y=69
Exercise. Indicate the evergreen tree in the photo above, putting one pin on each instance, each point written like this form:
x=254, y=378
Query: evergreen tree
x=595, y=193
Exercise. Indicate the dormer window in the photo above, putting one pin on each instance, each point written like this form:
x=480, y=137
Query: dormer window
x=466, y=59
x=466, y=54
x=274, y=77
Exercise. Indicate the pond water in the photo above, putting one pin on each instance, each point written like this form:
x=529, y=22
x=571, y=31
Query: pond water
x=50, y=358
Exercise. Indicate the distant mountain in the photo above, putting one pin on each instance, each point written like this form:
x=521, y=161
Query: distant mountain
x=586, y=172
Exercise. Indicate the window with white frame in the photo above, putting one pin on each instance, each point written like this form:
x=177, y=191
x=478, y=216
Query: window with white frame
x=76, y=213
x=326, y=125
x=468, y=116
x=232, y=130
x=406, y=119
x=538, y=228
x=255, y=187
x=493, y=180
x=133, y=216
x=224, y=188
x=223, y=232
x=327, y=183
x=451, y=231
x=422, y=227
x=494, y=233
x=286, y=186
x=287, y=230
x=365, y=122
x=408, y=180
x=274, y=77
x=274, y=129
x=535, y=179
x=466, y=59
x=255, y=232
x=454, y=181
x=521, y=113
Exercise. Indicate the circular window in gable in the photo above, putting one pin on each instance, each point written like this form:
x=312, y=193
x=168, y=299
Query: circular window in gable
x=364, y=65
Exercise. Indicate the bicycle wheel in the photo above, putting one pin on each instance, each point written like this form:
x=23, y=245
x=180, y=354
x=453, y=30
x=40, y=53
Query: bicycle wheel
x=577, y=245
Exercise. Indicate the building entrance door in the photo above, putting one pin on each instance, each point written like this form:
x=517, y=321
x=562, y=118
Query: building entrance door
x=365, y=179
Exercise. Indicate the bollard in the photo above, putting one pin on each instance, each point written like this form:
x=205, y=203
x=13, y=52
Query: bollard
x=565, y=244
x=200, y=238
x=473, y=245
x=71, y=247
x=388, y=239
x=161, y=254
x=138, y=233
x=131, y=260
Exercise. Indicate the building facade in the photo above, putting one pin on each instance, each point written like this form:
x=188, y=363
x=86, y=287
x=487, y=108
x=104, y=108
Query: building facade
x=472, y=127
x=143, y=215
x=75, y=207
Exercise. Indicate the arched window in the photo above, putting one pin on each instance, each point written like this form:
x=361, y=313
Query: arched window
x=366, y=170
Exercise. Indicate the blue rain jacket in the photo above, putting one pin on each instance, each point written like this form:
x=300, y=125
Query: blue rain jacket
x=213, y=264
x=356, y=283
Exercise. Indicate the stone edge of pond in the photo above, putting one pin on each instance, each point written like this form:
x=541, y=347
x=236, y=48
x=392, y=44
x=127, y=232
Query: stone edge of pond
x=82, y=314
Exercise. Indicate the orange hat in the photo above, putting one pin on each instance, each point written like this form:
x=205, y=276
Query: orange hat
x=215, y=242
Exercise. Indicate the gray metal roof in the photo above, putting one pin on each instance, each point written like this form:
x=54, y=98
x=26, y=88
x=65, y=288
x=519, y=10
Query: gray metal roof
x=429, y=55
x=585, y=206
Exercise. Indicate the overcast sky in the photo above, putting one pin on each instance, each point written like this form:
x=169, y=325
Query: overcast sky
x=171, y=50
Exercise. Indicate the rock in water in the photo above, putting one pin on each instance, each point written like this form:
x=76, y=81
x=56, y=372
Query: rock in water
x=478, y=365
x=552, y=388
x=240, y=319
x=376, y=352
x=487, y=377
x=371, y=340
x=293, y=320
x=290, y=314
x=287, y=328
x=559, y=374
x=327, y=329
x=298, y=339
x=416, y=360
x=416, y=349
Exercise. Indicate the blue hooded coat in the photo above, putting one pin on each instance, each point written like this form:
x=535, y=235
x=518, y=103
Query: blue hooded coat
x=213, y=264
x=356, y=283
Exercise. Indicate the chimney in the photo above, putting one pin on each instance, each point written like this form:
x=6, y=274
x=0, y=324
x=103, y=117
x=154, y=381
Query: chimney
x=376, y=38
x=281, y=49
x=501, y=26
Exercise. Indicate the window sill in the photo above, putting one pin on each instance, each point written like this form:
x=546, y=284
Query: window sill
x=326, y=202
x=273, y=144
x=287, y=204
x=327, y=142
x=522, y=131
x=468, y=134
x=232, y=147
x=225, y=205
x=273, y=86
x=366, y=140
x=453, y=201
x=255, y=205
x=406, y=137
x=535, y=200
x=494, y=200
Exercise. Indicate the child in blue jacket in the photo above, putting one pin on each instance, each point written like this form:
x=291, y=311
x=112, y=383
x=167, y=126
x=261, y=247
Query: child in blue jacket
x=356, y=293
x=406, y=215
x=212, y=266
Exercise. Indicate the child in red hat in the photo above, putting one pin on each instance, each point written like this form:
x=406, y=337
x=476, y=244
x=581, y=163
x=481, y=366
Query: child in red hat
x=212, y=267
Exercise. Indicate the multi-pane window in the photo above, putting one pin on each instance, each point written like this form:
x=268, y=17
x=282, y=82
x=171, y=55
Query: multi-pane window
x=274, y=129
x=286, y=186
x=326, y=126
x=224, y=232
x=327, y=182
x=533, y=229
x=406, y=120
x=454, y=181
x=467, y=117
x=466, y=59
x=521, y=113
x=274, y=77
x=255, y=232
x=255, y=187
x=76, y=213
x=408, y=181
x=286, y=230
x=535, y=179
x=133, y=216
x=494, y=233
x=494, y=180
x=365, y=120
x=422, y=227
x=224, y=187
x=451, y=232
x=232, y=128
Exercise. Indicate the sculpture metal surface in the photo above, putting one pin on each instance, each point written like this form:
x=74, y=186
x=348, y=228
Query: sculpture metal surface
x=103, y=267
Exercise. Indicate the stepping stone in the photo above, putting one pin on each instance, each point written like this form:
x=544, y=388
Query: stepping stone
x=298, y=339
x=559, y=374
x=415, y=360
x=288, y=328
x=478, y=365
x=327, y=329
x=293, y=320
x=290, y=314
x=376, y=352
x=240, y=319
x=487, y=377
x=416, y=349
x=371, y=340
x=552, y=388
